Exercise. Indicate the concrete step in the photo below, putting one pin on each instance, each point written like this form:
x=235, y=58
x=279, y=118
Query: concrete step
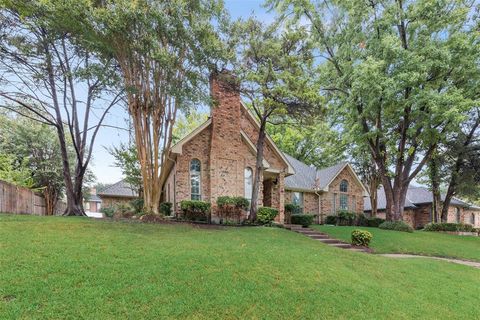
x=341, y=245
x=318, y=236
x=329, y=241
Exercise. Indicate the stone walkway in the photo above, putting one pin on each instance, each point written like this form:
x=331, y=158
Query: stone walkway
x=401, y=255
x=325, y=238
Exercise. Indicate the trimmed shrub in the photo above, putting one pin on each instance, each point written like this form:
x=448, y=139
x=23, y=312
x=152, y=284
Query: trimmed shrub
x=362, y=220
x=108, y=211
x=231, y=208
x=331, y=220
x=345, y=218
x=290, y=209
x=195, y=210
x=396, y=226
x=166, y=208
x=265, y=215
x=303, y=219
x=375, y=222
x=449, y=227
x=137, y=206
x=361, y=237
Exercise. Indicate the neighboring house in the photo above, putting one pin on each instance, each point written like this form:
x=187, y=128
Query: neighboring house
x=418, y=208
x=118, y=193
x=94, y=203
x=218, y=159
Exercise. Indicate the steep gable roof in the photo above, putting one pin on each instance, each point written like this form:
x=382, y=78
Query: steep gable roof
x=415, y=197
x=119, y=189
x=309, y=178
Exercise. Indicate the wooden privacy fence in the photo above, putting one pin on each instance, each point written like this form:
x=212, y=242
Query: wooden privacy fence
x=14, y=199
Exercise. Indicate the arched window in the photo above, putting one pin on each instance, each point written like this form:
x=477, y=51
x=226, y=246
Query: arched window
x=195, y=183
x=248, y=176
x=472, y=219
x=458, y=215
x=344, y=186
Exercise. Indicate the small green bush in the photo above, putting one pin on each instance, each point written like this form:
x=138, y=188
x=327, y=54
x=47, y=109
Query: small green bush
x=195, y=210
x=346, y=218
x=265, y=215
x=108, y=211
x=237, y=202
x=361, y=237
x=303, y=219
x=375, y=222
x=362, y=220
x=396, y=225
x=166, y=208
x=293, y=208
x=137, y=205
x=449, y=227
x=331, y=220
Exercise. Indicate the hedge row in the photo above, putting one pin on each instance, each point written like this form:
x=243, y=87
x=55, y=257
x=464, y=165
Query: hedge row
x=449, y=227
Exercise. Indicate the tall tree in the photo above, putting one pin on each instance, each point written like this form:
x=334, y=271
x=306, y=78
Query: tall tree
x=35, y=146
x=186, y=123
x=51, y=77
x=272, y=68
x=396, y=72
x=126, y=159
x=314, y=142
x=163, y=50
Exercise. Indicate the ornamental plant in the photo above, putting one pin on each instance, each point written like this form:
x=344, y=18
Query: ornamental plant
x=265, y=215
x=361, y=237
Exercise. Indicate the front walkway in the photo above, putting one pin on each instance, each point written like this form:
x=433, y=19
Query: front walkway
x=464, y=262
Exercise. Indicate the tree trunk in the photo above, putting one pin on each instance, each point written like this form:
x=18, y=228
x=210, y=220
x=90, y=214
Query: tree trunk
x=258, y=170
x=395, y=200
x=51, y=198
x=435, y=181
x=373, y=202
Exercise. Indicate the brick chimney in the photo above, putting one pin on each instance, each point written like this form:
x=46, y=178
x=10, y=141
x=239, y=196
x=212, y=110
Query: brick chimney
x=225, y=161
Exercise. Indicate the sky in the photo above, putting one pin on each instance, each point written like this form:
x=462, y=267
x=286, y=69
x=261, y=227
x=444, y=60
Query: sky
x=103, y=162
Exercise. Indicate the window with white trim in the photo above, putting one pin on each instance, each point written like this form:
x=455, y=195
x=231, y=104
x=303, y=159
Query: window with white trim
x=248, y=177
x=458, y=215
x=195, y=179
x=297, y=199
x=343, y=201
x=472, y=219
x=344, y=186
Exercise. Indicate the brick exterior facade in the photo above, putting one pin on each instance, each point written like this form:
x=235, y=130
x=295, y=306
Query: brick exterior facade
x=224, y=148
x=323, y=203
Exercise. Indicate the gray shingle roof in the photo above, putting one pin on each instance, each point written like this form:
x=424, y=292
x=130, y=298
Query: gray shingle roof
x=119, y=189
x=415, y=196
x=94, y=198
x=308, y=177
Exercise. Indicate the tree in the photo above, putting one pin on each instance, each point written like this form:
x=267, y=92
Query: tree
x=272, y=72
x=19, y=175
x=186, y=123
x=50, y=76
x=34, y=148
x=397, y=74
x=126, y=159
x=164, y=50
x=313, y=143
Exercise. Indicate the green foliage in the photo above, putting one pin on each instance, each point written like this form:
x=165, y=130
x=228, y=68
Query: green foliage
x=20, y=176
x=166, y=208
x=361, y=238
x=186, y=123
x=266, y=215
x=303, y=219
x=108, y=211
x=237, y=202
x=195, y=210
x=396, y=225
x=293, y=208
x=127, y=160
x=137, y=205
x=346, y=218
x=362, y=220
x=331, y=220
x=449, y=227
x=375, y=222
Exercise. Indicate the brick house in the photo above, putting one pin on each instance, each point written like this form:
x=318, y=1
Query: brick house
x=218, y=159
x=418, y=208
x=118, y=193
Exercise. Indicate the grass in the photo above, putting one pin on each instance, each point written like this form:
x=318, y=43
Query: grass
x=418, y=242
x=78, y=268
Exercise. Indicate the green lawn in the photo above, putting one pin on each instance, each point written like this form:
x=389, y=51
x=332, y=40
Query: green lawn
x=58, y=268
x=418, y=242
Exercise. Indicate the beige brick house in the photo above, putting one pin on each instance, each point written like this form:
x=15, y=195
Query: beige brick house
x=218, y=159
